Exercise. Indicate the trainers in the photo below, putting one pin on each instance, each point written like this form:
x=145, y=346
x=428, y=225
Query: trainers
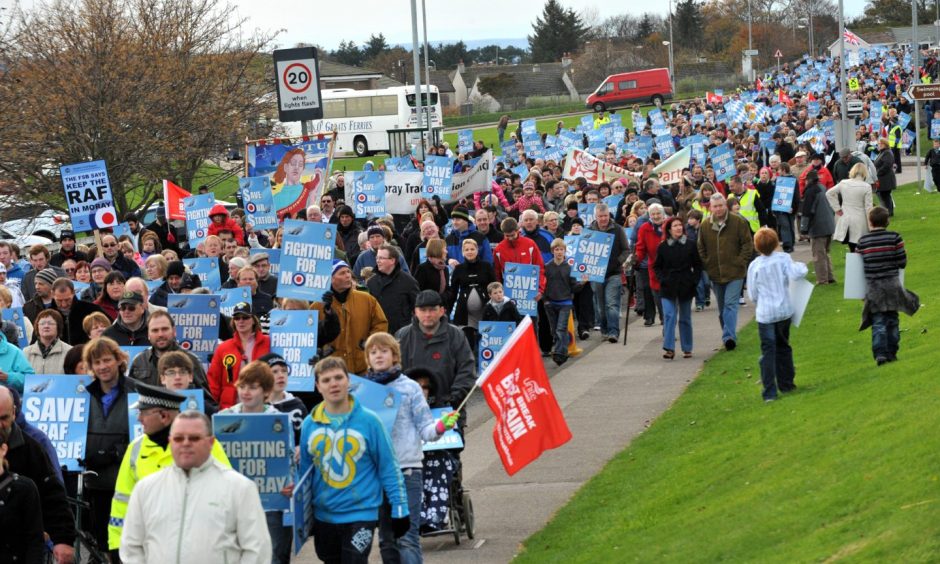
x=648, y=323
x=699, y=308
x=611, y=339
x=741, y=301
x=881, y=360
x=708, y=303
x=559, y=359
x=597, y=327
x=584, y=335
x=730, y=345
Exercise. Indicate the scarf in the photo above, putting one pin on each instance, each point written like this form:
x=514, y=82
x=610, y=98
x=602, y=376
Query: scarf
x=386, y=377
x=340, y=296
x=161, y=437
x=108, y=399
x=442, y=270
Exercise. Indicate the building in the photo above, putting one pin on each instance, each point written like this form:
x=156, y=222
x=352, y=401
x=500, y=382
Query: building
x=337, y=75
x=524, y=84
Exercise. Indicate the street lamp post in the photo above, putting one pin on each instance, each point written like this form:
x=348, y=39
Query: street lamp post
x=750, y=42
x=427, y=69
x=417, y=69
x=672, y=71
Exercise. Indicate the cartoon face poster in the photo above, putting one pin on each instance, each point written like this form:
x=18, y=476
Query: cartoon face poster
x=298, y=170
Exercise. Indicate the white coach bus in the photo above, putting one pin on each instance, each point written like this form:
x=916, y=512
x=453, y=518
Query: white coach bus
x=363, y=118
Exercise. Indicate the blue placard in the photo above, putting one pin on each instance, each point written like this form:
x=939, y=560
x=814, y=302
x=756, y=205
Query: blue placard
x=152, y=285
x=592, y=254
x=451, y=439
x=122, y=229
x=259, y=201
x=521, y=282
x=207, y=269
x=232, y=296
x=197, y=217
x=658, y=121
x=274, y=257
x=904, y=119
x=875, y=112
x=306, y=260
x=382, y=400
x=294, y=336
x=15, y=316
x=88, y=195
x=368, y=193
x=613, y=202
x=493, y=335
x=195, y=400
x=465, y=141
x=785, y=186
x=58, y=405
x=438, y=177
x=260, y=447
x=586, y=213
x=664, y=146
x=722, y=159
x=197, y=322
x=522, y=170
x=399, y=164
x=301, y=509
x=935, y=129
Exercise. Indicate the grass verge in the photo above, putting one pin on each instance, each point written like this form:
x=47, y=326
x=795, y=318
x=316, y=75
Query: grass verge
x=841, y=469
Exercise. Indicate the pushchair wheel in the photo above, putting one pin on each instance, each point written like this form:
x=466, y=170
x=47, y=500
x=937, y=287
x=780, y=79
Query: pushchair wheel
x=467, y=515
x=455, y=524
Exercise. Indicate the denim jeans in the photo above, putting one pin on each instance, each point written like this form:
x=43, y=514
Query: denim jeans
x=607, y=305
x=407, y=549
x=703, y=289
x=727, y=296
x=501, y=134
x=885, y=334
x=785, y=229
x=776, y=359
x=558, y=319
x=281, y=537
x=584, y=309
x=671, y=310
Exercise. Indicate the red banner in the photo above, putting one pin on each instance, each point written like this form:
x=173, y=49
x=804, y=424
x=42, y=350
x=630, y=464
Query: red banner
x=712, y=98
x=173, y=200
x=528, y=419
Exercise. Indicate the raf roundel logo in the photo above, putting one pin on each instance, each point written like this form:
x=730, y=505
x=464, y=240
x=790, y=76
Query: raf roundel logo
x=361, y=198
x=328, y=235
x=186, y=345
x=250, y=208
x=299, y=279
x=200, y=233
x=571, y=261
x=582, y=268
x=487, y=354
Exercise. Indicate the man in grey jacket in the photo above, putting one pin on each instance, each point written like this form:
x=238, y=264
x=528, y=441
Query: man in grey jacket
x=431, y=342
x=607, y=294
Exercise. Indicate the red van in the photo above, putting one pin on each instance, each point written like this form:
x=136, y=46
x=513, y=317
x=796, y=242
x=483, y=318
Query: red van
x=651, y=85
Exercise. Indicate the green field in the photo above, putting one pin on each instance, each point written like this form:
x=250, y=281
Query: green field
x=843, y=469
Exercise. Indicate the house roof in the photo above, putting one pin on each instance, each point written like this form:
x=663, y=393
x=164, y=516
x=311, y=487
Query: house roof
x=543, y=79
x=441, y=79
x=878, y=37
x=925, y=34
x=332, y=69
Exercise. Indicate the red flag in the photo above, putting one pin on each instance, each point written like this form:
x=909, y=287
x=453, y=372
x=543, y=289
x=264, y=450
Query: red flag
x=783, y=98
x=712, y=98
x=759, y=85
x=810, y=97
x=528, y=419
x=173, y=200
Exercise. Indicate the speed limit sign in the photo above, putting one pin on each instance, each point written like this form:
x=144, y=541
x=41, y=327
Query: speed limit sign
x=298, y=84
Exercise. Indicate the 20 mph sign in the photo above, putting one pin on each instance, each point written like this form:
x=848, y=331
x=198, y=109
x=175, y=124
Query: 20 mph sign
x=298, y=84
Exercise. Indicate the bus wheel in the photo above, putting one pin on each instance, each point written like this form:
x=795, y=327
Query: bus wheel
x=599, y=107
x=361, y=146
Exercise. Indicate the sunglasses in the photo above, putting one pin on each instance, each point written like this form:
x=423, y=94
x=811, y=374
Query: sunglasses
x=179, y=439
x=127, y=307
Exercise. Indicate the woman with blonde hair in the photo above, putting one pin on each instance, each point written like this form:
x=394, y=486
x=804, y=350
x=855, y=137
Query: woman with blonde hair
x=851, y=200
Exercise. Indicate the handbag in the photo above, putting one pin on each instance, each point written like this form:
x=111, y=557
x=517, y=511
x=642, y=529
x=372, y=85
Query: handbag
x=804, y=225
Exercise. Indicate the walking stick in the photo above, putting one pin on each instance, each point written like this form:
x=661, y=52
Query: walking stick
x=626, y=318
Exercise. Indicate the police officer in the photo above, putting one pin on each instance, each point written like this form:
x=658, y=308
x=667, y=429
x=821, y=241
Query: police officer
x=156, y=409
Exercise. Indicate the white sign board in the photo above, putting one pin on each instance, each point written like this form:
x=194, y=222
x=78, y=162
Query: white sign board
x=298, y=84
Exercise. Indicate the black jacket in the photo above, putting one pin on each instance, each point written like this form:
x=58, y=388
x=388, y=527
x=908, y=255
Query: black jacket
x=126, y=267
x=350, y=237
x=61, y=256
x=429, y=278
x=509, y=312
x=26, y=457
x=73, y=333
x=678, y=268
x=446, y=354
x=21, y=539
x=108, y=436
x=125, y=337
x=396, y=294
x=469, y=277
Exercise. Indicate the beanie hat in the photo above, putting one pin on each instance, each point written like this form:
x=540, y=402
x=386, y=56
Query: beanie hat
x=338, y=265
x=461, y=212
x=101, y=262
x=376, y=230
x=345, y=210
x=47, y=275
x=175, y=268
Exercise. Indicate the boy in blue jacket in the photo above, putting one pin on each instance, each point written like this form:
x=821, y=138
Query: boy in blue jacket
x=354, y=464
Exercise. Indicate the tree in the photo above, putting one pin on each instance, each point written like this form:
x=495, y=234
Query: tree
x=646, y=27
x=556, y=32
x=348, y=53
x=497, y=85
x=375, y=46
x=891, y=12
x=688, y=22
x=153, y=88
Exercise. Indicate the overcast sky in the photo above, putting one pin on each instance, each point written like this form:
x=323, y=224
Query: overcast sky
x=328, y=23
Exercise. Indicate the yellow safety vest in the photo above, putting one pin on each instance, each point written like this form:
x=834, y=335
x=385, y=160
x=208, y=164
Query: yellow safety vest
x=142, y=458
x=748, y=210
x=697, y=206
x=598, y=122
x=894, y=136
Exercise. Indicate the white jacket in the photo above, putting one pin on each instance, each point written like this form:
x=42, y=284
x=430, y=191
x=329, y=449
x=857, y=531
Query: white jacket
x=212, y=515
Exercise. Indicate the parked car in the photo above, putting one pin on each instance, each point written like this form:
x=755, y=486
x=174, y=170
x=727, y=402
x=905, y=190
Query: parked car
x=652, y=86
x=26, y=241
x=49, y=225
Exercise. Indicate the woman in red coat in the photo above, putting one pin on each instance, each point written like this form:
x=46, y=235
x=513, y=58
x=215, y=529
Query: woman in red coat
x=220, y=221
x=248, y=344
x=648, y=237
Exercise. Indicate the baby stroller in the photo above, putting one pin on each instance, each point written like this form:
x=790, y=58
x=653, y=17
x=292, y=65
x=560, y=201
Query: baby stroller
x=447, y=507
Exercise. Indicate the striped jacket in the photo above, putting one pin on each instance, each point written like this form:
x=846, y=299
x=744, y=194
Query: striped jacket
x=882, y=253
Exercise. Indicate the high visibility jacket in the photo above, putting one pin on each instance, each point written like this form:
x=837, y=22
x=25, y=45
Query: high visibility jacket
x=142, y=458
x=698, y=206
x=600, y=121
x=894, y=136
x=749, y=210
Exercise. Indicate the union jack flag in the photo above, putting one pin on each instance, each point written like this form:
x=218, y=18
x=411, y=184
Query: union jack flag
x=851, y=38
